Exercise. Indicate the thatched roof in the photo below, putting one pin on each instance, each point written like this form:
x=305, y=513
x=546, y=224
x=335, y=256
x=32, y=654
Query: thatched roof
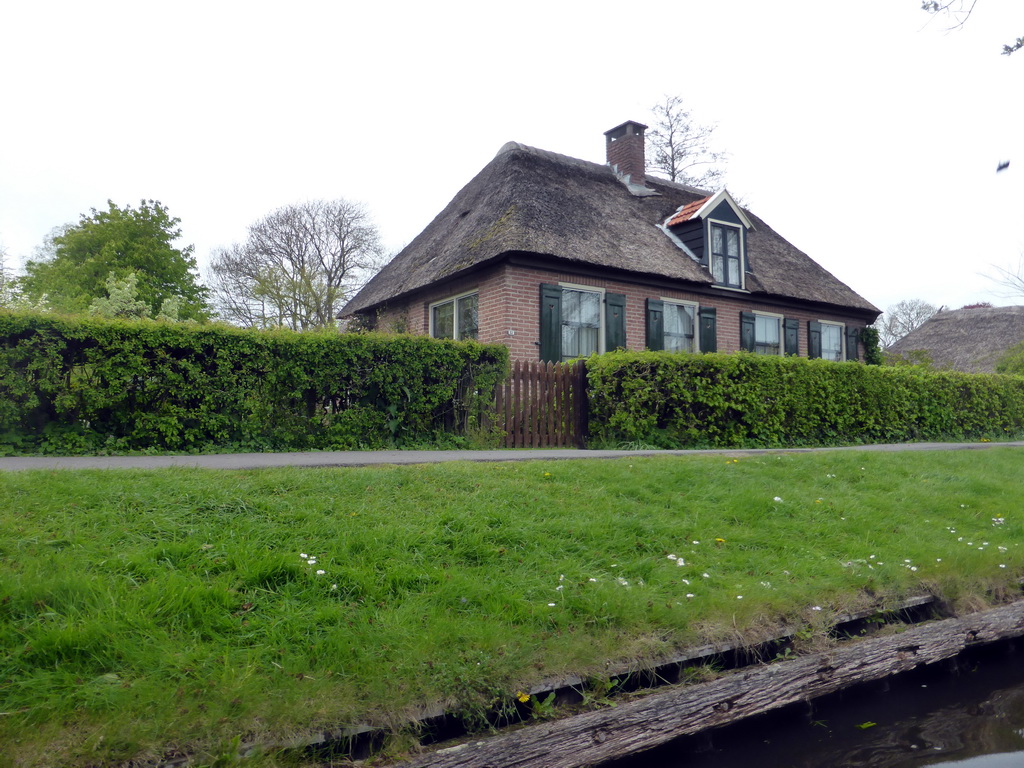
x=528, y=200
x=969, y=340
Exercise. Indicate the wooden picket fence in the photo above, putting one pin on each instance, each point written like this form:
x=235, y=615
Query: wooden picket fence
x=543, y=405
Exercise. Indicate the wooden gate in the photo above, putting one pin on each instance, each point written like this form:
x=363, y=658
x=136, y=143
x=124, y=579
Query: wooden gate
x=543, y=405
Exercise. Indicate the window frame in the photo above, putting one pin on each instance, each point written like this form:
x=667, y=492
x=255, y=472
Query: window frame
x=454, y=301
x=741, y=261
x=601, y=320
x=842, y=339
x=694, y=308
x=780, y=325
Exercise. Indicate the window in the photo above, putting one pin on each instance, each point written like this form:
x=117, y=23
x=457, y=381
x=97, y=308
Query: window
x=578, y=320
x=766, y=335
x=761, y=333
x=455, y=318
x=679, y=323
x=680, y=326
x=832, y=342
x=725, y=256
x=826, y=340
x=581, y=323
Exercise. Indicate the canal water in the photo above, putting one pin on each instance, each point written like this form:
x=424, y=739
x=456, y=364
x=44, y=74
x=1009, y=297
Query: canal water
x=968, y=713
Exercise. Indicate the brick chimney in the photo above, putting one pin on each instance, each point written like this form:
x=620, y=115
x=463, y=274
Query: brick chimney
x=625, y=151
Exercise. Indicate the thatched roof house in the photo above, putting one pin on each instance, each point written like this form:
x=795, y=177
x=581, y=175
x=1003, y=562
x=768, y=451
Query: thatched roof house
x=556, y=256
x=971, y=339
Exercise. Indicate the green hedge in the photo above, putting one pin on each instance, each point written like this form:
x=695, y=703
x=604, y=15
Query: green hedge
x=84, y=385
x=675, y=400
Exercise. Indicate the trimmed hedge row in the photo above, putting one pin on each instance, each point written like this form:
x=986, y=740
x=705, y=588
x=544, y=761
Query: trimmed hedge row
x=672, y=400
x=86, y=385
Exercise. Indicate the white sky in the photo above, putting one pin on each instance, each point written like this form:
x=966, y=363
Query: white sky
x=864, y=133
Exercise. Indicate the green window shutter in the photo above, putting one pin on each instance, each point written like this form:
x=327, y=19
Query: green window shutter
x=792, y=331
x=852, y=343
x=655, y=324
x=614, y=321
x=747, y=334
x=550, y=323
x=813, y=338
x=708, y=329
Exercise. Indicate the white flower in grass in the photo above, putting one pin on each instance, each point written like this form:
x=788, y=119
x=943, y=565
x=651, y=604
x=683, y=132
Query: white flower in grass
x=559, y=588
x=551, y=605
x=777, y=498
x=913, y=567
x=685, y=581
x=671, y=557
x=334, y=587
x=689, y=594
x=680, y=562
x=312, y=561
x=696, y=542
x=320, y=572
x=303, y=555
x=561, y=577
x=938, y=559
x=815, y=607
x=1001, y=565
x=622, y=581
x=706, y=575
x=593, y=580
x=739, y=597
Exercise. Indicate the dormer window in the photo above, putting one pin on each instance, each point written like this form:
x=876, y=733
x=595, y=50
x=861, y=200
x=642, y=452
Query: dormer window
x=726, y=266
x=713, y=232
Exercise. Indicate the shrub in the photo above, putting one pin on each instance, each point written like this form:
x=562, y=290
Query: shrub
x=78, y=385
x=675, y=400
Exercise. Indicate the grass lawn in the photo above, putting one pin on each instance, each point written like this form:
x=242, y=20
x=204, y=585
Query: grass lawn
x=154, y=613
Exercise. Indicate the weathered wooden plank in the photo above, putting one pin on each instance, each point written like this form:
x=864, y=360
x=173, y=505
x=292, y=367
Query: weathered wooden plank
x=605, y=734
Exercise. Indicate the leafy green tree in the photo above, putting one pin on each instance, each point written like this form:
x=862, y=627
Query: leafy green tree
x=122, y=301
x=73, y=267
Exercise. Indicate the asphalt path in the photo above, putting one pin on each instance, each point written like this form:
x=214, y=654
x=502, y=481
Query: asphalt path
x=371, y=458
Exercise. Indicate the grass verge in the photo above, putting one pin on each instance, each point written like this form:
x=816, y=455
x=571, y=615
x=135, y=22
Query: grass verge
x=146, y=614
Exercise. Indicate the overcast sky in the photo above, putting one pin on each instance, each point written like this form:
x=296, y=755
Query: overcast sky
x=865, y=133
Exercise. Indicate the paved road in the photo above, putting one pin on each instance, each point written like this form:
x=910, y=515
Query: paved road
x=367, y=458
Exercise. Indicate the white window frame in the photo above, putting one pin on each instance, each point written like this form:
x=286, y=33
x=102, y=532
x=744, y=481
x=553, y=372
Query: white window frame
x=454, y=301
x=600, y=313
x=842, y=338
x=738, y=228
x=779, y=319
x=696, y=318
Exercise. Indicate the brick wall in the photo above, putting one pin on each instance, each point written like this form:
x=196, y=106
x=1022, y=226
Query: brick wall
x=510, y=308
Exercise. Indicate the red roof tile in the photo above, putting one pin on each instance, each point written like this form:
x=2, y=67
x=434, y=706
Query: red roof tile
x=687, y=212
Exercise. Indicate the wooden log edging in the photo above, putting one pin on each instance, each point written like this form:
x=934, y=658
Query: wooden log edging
x=604, y=734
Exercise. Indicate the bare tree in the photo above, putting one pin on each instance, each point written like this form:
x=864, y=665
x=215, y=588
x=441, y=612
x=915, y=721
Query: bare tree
x=680, y=148
x=960, y=11
x=1009, y=282
x=901, y=318
x=297, y=267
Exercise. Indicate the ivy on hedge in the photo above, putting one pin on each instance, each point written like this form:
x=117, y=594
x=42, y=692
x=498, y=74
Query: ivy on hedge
x=674, y=400
x=85, y=385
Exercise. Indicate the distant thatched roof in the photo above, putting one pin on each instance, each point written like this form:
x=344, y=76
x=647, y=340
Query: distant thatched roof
x=529, y=200
x=969, y=340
